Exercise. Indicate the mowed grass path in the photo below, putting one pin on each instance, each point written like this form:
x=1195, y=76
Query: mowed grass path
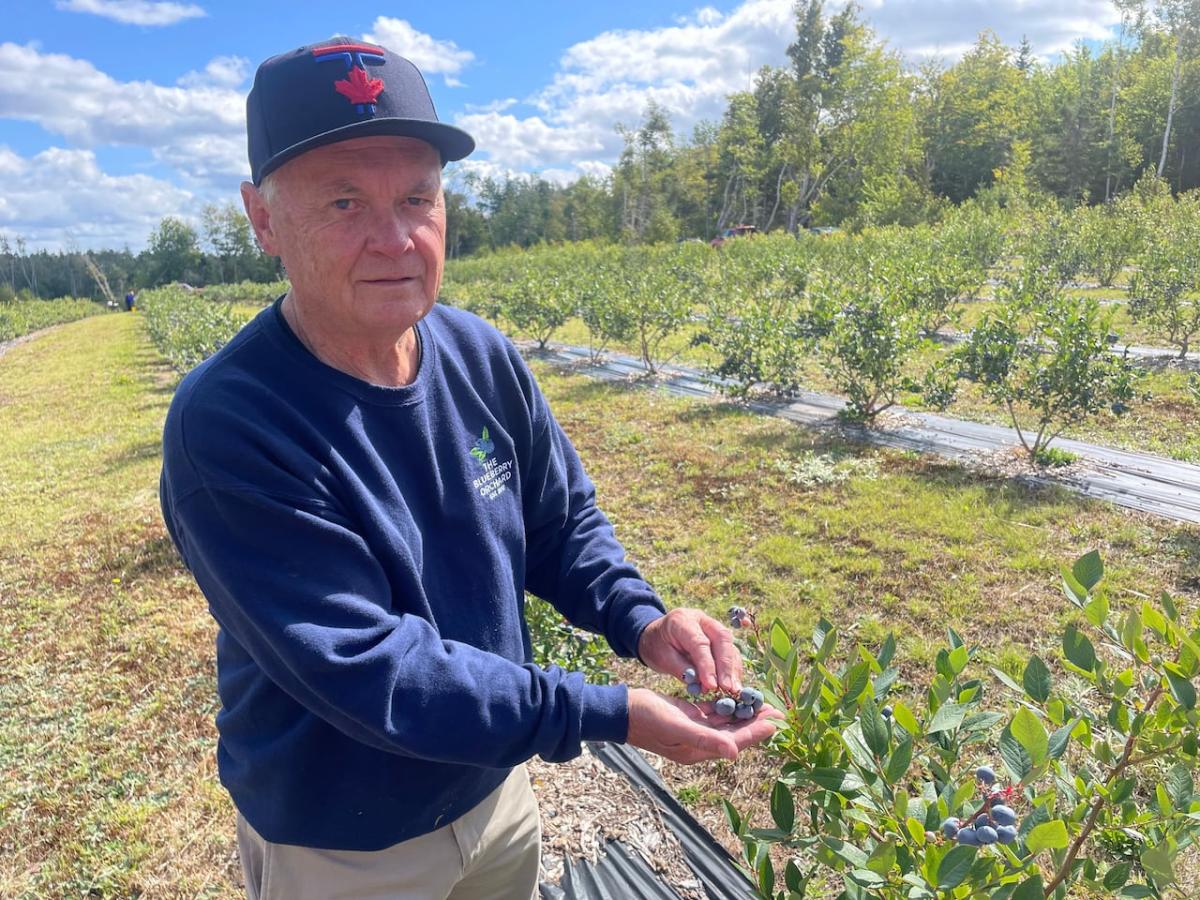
x=107, y=697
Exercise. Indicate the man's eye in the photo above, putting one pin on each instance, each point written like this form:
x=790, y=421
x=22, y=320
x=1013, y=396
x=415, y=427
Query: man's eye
x=343, y=202
x=418, y=201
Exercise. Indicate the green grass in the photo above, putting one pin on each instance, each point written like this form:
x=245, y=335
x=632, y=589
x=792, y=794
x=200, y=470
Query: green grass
x=20, y=317
x=107, y=743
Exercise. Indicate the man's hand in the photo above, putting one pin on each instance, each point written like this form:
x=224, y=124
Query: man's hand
x=690, y=638
x=689, y=733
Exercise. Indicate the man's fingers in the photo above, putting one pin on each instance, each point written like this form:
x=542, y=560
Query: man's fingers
x=724, y=653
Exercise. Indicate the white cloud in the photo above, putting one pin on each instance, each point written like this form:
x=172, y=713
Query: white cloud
x=947, y=28
x=199, y=130
x=134, y=12
x=427, y=53
x=61, y=196
x=689, y=69
x=221, y=71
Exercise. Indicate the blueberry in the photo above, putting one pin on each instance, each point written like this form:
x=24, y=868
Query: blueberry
x=950, y=827
x=725, y=706
x=689, y=675
x=694, y=689
x=985, y=834
x=1006, y=834
x=968, y=836
x=1003, y=815
x=887, y=712
x=930, y=837
x=741, y=711
x=985, y=774
x=750, y=696
x=756, y=705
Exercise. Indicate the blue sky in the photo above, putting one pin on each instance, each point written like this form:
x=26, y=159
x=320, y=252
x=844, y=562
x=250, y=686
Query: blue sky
x=115, y=113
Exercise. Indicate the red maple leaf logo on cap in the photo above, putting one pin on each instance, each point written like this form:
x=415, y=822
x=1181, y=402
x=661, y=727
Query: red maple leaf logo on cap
x=359, y=87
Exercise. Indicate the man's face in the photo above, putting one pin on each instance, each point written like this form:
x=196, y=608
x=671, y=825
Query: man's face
x=360, y=226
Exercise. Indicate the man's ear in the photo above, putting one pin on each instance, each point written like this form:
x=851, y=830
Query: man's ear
x=259, y=214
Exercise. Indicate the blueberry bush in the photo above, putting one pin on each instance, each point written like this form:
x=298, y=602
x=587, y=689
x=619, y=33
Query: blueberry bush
x=1076, y=779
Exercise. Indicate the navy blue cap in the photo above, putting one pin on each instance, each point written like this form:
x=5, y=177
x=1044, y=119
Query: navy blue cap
x=337, y=90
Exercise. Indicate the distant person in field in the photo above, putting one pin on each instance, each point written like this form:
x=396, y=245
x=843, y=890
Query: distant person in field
x=364, y=484
x=129, y=301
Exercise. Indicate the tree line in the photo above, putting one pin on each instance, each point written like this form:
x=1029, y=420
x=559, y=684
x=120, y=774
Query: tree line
x=845, y=134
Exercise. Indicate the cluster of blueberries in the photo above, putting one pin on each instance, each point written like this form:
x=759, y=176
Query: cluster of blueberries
x=739, y=617
x=748, y=703
x=996, y=823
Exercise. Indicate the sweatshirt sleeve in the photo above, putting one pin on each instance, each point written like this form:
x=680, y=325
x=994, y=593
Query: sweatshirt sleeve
x=301, y=592
x=574, y=559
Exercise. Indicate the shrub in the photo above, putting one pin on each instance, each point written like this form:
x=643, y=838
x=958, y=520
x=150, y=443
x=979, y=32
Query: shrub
x=1164, y=292
x=20, y=317
x=1098, y=749
x=185, y=327
x=1045, y=356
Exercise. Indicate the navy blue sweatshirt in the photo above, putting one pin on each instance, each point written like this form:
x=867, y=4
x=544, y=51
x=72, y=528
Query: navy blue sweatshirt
x=365, y=551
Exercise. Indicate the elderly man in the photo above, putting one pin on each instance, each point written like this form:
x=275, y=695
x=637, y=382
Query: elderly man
x=364, y=484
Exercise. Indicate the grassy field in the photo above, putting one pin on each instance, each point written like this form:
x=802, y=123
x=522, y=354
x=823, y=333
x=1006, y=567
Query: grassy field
x=107, y=769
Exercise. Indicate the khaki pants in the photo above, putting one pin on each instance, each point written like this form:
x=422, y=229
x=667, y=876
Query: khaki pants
x=490, y=853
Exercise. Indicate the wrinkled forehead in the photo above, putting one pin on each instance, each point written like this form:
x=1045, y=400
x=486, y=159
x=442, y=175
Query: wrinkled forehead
x=367, y=159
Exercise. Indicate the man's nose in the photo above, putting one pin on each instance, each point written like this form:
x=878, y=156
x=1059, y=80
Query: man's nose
x=391, y=231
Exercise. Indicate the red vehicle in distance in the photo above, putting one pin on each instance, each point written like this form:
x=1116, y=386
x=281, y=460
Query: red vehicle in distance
x=733, y=231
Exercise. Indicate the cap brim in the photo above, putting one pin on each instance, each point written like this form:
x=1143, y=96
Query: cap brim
x=450, y=142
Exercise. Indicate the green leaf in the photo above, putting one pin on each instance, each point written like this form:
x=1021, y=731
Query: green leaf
x=485, y=433
x=783, y=807
x=1135, y=892
x=848, y=852
x=1169, y=605
x=1131, y=631
x=882, y=858
x=781, y=644
x=949, y=716
x=954, y=638
x=1154, y=620
x=1050, y=835
x=1075, y=591
x=821, y=632
x=735, y=820
x=1006, y=679
x=916, y=830
x=1116, y=876
x=1096, y=610
x=954, y=867
x=856, y=682
x=1037, y=679
x=1182, y=690
x=867, y=878
x=1031, y=734
x=766, y=875
x=794, y=878
x=887, y=651
x=1088, y=570
x=1078, y=649
x=1060, y=738
x=1157, y=861
x=1030, y=889
x=1015, y=756
x=874, y=729
x=1179, y=786
x=833, y=779
x=959, y=657
x=905, y=718
x=899, y=761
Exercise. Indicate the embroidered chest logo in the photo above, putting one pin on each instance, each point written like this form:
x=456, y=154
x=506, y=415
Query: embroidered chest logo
x=496, y=474
x=358, y=87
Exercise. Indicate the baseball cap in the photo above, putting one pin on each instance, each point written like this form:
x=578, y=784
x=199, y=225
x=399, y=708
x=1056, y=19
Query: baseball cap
x=337, y=90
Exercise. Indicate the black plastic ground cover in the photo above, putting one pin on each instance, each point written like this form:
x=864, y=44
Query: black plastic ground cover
x=621, y=874
x=1141, y=481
